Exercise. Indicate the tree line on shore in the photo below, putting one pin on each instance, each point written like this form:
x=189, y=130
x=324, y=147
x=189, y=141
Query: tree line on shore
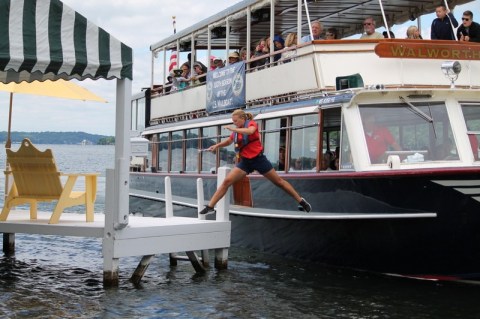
x=59, y=138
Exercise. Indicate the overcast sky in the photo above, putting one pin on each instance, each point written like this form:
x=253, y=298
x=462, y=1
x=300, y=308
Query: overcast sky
x=137, y=23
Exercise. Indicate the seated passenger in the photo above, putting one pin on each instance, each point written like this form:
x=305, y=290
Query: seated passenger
x=369, y=29
x=413, y=33
x=316, y=31
x=280, y=165
x=379, y=139
x=328, y=161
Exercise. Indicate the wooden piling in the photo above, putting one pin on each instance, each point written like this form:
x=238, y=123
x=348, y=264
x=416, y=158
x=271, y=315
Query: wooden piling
x=141, y=268
x=9, y=244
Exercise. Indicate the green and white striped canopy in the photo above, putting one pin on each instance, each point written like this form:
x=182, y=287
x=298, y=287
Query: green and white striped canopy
x=45, y=39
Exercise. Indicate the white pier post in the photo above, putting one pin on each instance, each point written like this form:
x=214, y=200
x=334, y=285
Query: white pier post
x=168, y=198
x=200, y=205
x=169, y=213
x=110, y=264
x=223, y=211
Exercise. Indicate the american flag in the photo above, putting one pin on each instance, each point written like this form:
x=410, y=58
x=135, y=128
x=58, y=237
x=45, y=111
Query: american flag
x=173, y=61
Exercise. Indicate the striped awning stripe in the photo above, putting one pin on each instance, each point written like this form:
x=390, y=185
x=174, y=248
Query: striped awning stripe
x=45, y=39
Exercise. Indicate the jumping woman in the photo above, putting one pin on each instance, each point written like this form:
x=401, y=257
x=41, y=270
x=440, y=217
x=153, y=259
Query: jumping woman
x=252, y=158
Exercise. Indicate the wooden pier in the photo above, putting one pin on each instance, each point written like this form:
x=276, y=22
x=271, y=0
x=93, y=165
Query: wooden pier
x=140, y=236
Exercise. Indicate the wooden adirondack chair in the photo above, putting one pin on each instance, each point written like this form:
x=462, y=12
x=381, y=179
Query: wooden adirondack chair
x=37, y=179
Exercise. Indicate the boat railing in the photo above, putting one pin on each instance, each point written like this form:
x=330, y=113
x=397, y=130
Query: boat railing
x=317, y=66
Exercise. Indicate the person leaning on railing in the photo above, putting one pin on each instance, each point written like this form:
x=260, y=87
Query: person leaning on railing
x=469, y=31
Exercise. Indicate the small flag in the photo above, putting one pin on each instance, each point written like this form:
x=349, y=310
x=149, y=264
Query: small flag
x=173, y=61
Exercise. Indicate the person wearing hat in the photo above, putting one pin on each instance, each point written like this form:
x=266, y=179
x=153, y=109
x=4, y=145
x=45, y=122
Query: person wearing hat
x=233, y=57
x=212, y=62
x=218, y=63
x=200, y=72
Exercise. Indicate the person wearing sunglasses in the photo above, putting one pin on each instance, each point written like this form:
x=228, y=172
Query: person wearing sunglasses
x=444, y=25
x=369, y=30
x=469, y=31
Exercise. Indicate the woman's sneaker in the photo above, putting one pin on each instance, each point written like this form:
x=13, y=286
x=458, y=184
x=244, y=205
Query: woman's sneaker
x=304, y=206
x=207, y=210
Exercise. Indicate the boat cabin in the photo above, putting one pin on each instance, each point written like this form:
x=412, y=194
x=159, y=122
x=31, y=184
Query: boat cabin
x=323, y=105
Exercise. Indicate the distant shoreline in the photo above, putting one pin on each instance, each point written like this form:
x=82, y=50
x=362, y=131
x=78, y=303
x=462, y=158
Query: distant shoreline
x=60, y=138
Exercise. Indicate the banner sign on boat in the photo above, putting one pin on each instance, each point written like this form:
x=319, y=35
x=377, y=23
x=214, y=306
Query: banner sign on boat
x=226, y=88
x=426, y=50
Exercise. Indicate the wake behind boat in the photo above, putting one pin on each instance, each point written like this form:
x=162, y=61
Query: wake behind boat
x=379, y=135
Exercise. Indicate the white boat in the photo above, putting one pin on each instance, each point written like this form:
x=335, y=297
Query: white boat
x=411, y=209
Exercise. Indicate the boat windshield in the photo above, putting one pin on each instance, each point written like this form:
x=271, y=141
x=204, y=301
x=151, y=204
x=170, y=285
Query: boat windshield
x=393, y=129
x=471, y=114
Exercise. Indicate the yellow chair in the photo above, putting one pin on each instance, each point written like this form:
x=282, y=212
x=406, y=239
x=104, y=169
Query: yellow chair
x=37, y=179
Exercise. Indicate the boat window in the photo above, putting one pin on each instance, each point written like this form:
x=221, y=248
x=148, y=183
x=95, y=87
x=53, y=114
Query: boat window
x=274, y=142
x=395, y=129
x=330, y=138
x=471, y=114
x=163, y=152
x=191, y=156
x=209, y=138
x=303, y=150
x=227, y=154
x=177, y=152
x=138, y=114
x=346, y=161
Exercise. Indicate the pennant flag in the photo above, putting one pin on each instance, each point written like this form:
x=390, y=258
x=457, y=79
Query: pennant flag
x=173, y=61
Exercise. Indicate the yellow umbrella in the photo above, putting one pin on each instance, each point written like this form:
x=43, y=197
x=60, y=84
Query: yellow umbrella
x=59, y=88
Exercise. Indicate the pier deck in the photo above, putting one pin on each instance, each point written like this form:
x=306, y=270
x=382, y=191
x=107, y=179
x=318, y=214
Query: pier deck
x=143, y=235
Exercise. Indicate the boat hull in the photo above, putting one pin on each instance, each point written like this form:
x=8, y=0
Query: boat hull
x=422, y=223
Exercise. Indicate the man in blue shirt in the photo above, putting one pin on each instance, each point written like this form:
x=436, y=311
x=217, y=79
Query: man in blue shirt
x=316, y=31
x=443, y=26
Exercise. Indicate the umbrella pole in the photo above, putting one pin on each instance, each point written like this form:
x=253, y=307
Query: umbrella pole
x=8, y=144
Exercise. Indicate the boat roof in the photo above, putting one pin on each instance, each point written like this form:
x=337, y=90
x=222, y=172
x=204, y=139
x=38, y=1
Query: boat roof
x=345, y=16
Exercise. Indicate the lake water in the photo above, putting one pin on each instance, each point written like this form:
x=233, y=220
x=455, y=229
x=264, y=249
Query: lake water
x=61, y=277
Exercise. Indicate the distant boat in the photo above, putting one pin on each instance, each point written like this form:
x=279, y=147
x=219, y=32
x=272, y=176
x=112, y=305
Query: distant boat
x=412, y=208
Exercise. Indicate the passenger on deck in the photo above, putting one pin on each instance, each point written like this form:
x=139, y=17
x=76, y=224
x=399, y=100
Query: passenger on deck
x=385, y=34
x=243, y=54
x=316, y=32
x=169, y=83
x=379, y=139
x=233, y=57
x=469, y=31
x=212, y=63
x=279, y=44
x=443, y=26
x=369, y=28
x=413, y=33
x=259, y=52
x=182, y=81
x=218, y=62
x=290, y=42
x=331, y=34
x=200, y=69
